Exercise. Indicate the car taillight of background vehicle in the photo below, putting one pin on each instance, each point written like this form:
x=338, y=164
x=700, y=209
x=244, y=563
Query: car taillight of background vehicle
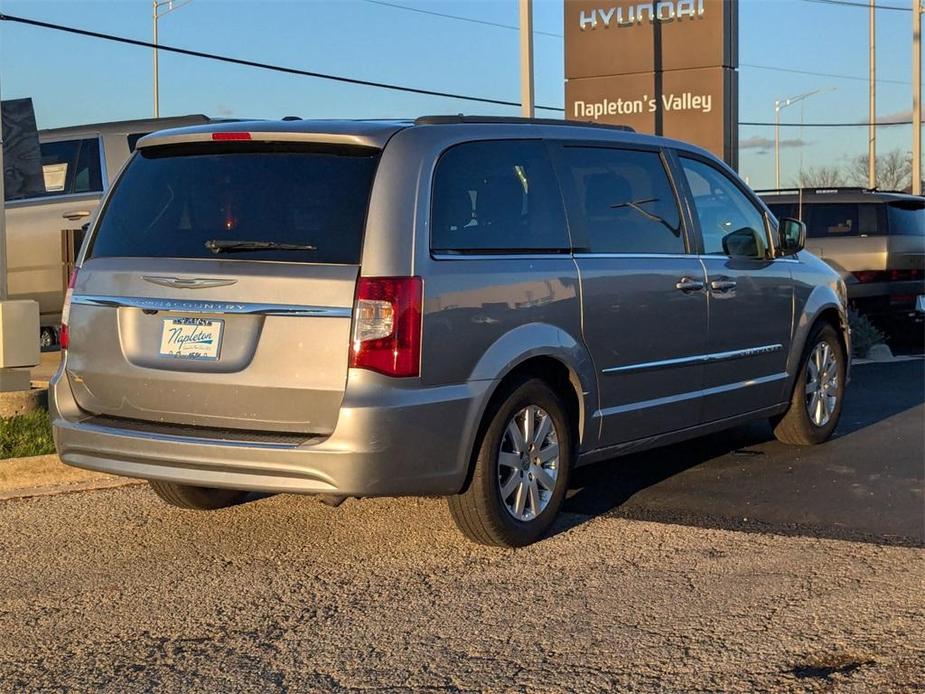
x=387, y=325
x=64, y=337
x=866, y=276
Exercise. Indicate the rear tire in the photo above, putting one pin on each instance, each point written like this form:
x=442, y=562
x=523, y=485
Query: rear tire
x=521, y=471
x=196, y=498
x=816, y=402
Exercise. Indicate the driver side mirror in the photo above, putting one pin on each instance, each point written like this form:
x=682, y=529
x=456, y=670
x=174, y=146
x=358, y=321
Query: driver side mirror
x=792, y=234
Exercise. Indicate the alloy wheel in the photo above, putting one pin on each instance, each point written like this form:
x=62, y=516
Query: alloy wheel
x=821, y=384
x=528, y=463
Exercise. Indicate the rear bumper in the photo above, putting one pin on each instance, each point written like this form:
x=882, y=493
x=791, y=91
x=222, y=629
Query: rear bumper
x=886, y=298
x=389, y=441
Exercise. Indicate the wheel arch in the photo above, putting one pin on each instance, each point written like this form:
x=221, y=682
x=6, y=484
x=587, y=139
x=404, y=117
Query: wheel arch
x=553, y=356
x=823, y=306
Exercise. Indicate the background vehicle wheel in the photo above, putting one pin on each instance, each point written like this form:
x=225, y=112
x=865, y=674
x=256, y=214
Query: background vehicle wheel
x=48, y=338
x=816, y=403
x=196, y=498
x=521, y=469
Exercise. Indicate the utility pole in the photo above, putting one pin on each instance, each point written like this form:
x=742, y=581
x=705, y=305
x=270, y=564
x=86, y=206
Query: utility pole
x=157, y=98
x=3, y=284
x=916, y=97
x=872, y=112
x=526, y=58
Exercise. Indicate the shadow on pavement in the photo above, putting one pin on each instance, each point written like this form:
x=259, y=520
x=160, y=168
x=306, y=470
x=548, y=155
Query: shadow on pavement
x=865, y=484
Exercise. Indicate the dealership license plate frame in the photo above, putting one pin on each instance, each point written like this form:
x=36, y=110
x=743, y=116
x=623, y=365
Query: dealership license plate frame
x=194, y=347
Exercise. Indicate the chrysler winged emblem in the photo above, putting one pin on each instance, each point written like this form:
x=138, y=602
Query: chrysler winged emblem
x=187, y=282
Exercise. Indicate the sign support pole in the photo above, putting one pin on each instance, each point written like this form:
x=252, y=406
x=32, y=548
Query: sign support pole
x=917, y=97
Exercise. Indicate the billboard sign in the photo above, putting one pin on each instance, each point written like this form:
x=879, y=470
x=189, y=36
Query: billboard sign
x=22, y=158
x=667, y=68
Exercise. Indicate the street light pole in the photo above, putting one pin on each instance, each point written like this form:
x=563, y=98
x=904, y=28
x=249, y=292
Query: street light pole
x=872, y=111
x=526, y=58
x=780, y=105
x=158, y=12
x=916, y=97
x=777, y=107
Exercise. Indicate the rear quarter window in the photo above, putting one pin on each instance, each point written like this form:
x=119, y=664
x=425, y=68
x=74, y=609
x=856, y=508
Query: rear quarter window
x=837, y=220
x=497, y=197
x=171, y=202
x=907, y=218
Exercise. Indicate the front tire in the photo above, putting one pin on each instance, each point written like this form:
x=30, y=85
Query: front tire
x=816, y=403
x=521, y=469
x=196, y=498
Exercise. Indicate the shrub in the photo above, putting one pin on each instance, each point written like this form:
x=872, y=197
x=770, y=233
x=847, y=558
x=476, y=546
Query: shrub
x=864, y=334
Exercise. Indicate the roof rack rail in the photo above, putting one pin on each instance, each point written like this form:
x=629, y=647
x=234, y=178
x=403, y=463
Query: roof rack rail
x=820, y=189
x=460, y=118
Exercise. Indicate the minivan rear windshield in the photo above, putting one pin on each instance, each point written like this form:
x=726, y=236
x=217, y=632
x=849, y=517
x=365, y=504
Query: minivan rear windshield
x=907, y=218
x=283, y=202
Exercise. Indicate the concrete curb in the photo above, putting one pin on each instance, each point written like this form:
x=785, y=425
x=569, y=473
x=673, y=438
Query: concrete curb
x=894, y=360
x=45, y=475
x=18, y=402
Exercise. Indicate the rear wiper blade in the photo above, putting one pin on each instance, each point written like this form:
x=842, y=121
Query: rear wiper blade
x=219, y=246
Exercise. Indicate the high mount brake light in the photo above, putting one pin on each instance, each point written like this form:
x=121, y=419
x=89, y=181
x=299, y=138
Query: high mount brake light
x=231, y=136
x=387, y=325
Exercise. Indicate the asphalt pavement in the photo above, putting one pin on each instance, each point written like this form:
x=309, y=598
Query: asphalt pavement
x=113, y=591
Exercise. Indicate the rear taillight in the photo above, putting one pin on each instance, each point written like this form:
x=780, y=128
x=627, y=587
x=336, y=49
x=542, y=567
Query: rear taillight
x=63, y=337
x=865, y=276
x=387, y=325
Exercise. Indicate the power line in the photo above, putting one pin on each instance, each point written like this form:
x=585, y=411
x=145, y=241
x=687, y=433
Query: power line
x=819, y=74
x=828, y=125
x=356, y=81
x=866, y=6
x=263, y=66
x=457, y=17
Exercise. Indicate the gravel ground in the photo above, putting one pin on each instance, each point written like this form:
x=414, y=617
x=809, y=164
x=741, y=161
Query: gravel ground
x=112, y=591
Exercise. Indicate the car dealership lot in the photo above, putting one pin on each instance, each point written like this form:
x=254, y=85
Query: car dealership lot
x=112, y=590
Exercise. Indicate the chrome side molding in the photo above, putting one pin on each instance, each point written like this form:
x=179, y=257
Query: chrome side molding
x=191, y=306
x=696, y=359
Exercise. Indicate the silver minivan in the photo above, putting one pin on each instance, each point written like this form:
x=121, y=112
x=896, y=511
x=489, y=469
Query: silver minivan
x=457, y=306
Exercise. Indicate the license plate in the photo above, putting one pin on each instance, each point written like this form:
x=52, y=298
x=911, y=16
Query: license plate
x=920, y=303
x=191, y=338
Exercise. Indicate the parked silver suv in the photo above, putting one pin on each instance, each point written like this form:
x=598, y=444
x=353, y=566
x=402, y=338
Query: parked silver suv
x=458, y=306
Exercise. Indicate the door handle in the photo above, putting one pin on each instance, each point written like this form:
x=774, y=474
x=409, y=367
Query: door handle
x=74, y=216
x=722, y=285
x=687, y=284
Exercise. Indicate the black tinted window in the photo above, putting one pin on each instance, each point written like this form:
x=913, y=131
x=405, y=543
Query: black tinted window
x=133, y=140
x=907, y=218
x=70, y=167
x=833, y=220
x=781, y=210
x=169, y=203
x=497, y=196
x=623, y=201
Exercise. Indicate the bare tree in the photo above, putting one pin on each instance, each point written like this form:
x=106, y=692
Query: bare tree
x=894, y=170
x=822, y=177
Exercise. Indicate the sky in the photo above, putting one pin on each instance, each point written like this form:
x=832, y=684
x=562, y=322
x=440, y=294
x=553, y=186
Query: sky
x=76, y=80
